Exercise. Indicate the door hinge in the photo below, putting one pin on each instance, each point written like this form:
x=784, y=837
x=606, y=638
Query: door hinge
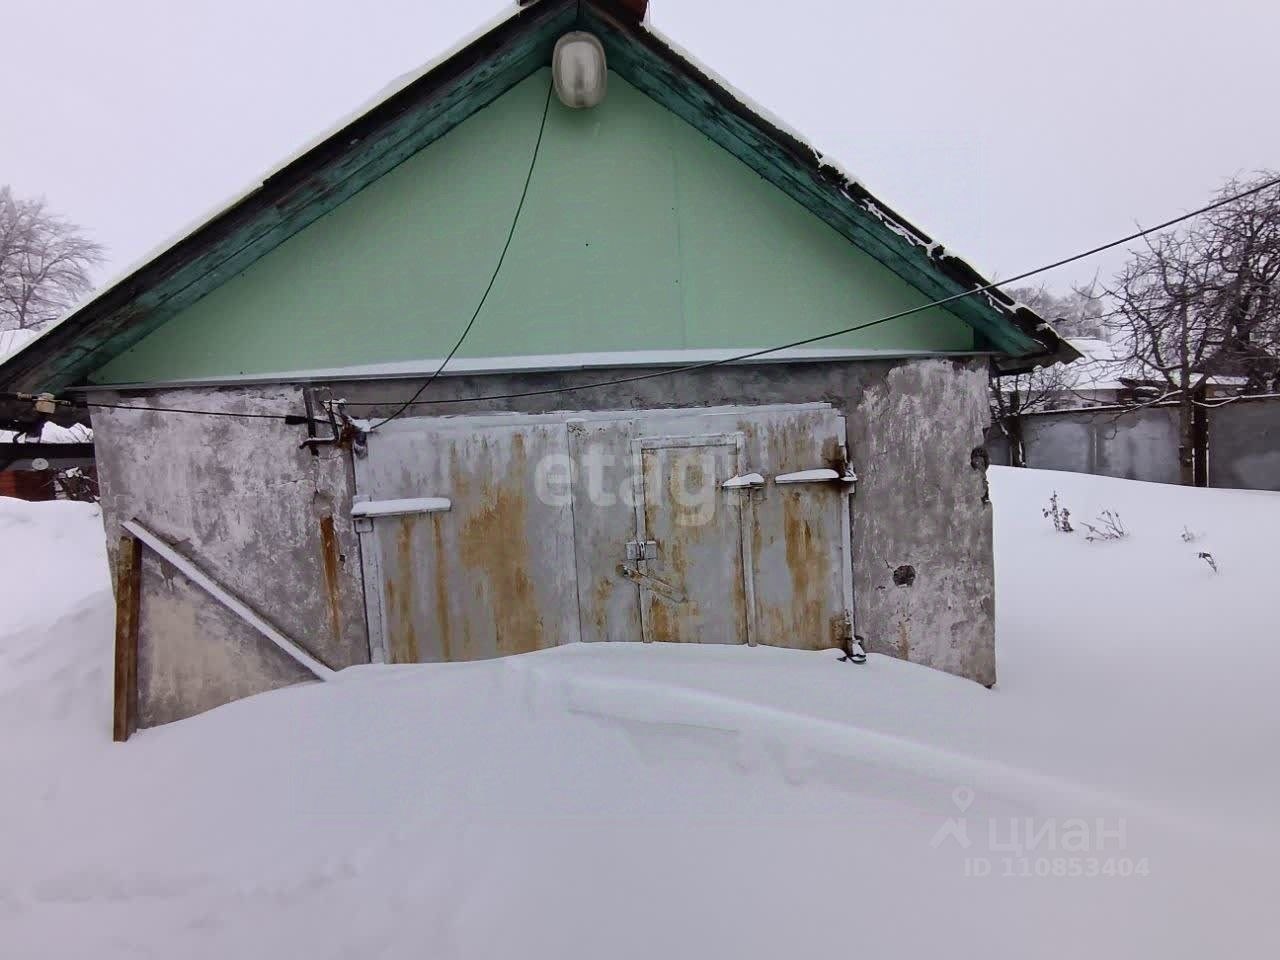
x=847, y=640
x=842, y=628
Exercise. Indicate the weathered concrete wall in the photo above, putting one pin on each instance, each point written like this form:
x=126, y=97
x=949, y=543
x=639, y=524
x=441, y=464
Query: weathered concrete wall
x=265, y=519
x=922, y=524
x=1142, y=443
x=1244, y=445
x=271, y=523
x=194, y=654
x=913, y=427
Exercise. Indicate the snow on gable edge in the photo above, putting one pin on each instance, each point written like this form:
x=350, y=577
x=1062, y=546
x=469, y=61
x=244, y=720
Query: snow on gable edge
x=855, y=191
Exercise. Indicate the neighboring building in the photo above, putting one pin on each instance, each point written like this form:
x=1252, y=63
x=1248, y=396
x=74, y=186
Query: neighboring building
x=37, y=470
x=523, y=504
x=1105, y=376
x=35, y=466
x=1101, y=377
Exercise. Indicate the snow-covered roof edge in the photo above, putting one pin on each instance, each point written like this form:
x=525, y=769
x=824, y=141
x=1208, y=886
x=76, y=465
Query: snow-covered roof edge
x=855, y=190
x=386, y=92
x=58, y=356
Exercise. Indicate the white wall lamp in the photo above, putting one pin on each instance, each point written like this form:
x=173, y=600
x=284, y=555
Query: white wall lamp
x=579, y=70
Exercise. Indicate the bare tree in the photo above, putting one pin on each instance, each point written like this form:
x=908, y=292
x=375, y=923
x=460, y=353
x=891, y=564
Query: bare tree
x=1242, y=243
x=1013, y=396
x=44, y=263
x=1205, y=302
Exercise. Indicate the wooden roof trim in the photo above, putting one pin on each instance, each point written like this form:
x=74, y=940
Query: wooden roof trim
x=364, y=149
x=286, y=201
x=793, y=165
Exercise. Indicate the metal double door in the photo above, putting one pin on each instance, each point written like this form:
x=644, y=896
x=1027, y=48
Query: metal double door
x=491, y=535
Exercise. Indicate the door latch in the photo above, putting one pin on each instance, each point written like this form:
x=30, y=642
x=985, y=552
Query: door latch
x=638, y=550
x=661, y=588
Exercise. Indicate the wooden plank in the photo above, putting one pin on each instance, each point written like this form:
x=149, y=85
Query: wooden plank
x=128, y=604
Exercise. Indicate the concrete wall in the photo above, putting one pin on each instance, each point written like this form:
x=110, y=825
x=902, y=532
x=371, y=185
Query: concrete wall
x=1142, y=446
x=913, y=429
x=242, y=500
x=1244, y=445
x=1142, y=443
x=265, y=519
x=1139, y=444
x=922, y=519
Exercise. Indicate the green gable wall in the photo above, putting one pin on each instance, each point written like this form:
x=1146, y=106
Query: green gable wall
x=638, y=233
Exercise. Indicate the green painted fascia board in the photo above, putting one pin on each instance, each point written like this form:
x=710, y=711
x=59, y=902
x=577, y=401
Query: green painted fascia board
x=353, y=158
x=394, y=130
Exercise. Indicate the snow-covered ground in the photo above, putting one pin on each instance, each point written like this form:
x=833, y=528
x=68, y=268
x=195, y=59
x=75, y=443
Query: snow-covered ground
x=1115, y=795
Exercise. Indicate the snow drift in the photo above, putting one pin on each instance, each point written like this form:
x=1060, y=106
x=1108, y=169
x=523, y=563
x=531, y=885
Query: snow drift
x=1113, y=796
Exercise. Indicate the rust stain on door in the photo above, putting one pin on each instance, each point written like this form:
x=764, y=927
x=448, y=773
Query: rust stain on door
x=661, y=627
x=502, y=571
x=442, y=591
x=330, y=561
x=598, y=611
x=494, y=547
x=807, y=561
x=402, y=636
x=697, y=529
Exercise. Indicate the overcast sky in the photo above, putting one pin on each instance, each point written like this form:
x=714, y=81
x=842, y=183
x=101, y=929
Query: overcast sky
x=1014, y=132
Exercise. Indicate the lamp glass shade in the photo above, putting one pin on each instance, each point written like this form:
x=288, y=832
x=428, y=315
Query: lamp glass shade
x=579, y=70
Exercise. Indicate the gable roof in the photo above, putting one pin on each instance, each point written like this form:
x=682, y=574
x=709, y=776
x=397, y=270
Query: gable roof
x=420, y=108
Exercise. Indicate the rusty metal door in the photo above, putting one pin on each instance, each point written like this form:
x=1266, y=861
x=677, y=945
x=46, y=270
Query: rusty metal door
x=800, y=529
x=503, y=533
x=687, y=557
x=491, y=574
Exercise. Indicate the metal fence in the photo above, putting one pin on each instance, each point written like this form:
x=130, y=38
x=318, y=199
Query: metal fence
x=1242, y=438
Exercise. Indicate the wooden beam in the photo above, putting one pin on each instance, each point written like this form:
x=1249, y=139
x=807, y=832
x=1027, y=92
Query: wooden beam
x=128, y=605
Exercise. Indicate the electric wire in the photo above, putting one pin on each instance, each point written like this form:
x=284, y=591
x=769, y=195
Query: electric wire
x=416, y=400
x=296, y=419
x=750, y=355
x=493, y=278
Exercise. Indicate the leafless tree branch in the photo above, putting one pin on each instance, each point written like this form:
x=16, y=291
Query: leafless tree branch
x=44, y=263
x=1204, y=302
